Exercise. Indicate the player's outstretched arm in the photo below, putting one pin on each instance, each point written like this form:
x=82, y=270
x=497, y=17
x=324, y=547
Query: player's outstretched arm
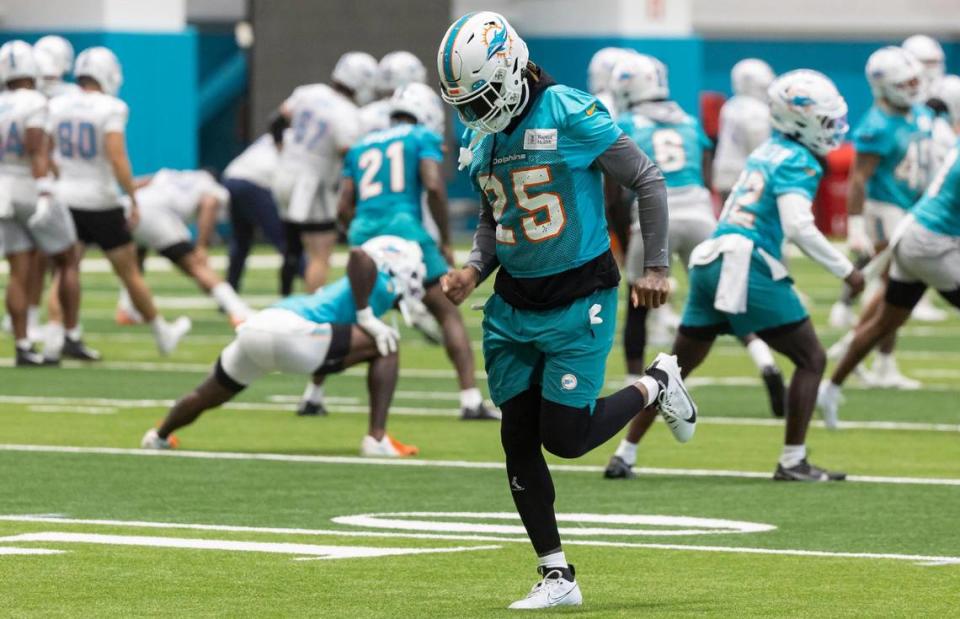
x=362, y=273
x=431, y=175
x=115, y=147
x=864, y=167
x=458, y=285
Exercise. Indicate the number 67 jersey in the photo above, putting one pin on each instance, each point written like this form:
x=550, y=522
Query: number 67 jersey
x=79, y=123
x=541, y=182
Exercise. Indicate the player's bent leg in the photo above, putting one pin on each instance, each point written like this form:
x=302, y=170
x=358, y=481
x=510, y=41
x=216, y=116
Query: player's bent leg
x=17, y=302
x=292, y=257
x=65, y=338
x=769, y=372
x=209, y=281
x=635, y=340
x=318, y=245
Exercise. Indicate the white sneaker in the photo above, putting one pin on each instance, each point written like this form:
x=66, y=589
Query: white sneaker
x=168, y=335
x=387, y=447
x=152, y=440
x=829, y=399
x=552, y=590
x=676, y=406
x=841, y=316
x=926, y=311
x=886, y=375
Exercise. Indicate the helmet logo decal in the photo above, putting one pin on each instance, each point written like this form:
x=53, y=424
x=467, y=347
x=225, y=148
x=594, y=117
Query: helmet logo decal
x=496, y=44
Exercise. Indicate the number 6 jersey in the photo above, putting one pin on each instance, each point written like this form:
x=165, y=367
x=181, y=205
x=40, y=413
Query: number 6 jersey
x=78, y=123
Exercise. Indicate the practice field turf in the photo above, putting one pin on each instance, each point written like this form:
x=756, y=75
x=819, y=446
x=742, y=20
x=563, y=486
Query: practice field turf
x=263, y=513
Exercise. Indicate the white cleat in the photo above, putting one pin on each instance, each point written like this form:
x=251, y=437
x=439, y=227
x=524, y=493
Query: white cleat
x=886, y=375
x=841, y=316
x=387, y=447
x=152, y=440
x=676, y=406
x=168, y=335
x=829, y=399
x=552, y=590
x=926, y=311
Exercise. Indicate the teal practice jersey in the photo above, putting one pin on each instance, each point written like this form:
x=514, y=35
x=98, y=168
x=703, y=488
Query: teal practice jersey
x=904, y=145
x=676, y=147
x=939, y=208
x=385, y=168
x=542, y=185
x=334, y=302
x=777, y=167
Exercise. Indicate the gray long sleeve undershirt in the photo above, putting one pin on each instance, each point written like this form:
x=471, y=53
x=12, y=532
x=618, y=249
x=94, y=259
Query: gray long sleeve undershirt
x=627, y=165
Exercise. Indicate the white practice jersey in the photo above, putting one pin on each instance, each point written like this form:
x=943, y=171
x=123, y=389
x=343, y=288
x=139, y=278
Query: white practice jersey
x=323, y=125
x=744, y=125
x=179, y=191
x=256, y=164
x=55, y=88
x=20, y=110
x=79, y=124
x=375, y=116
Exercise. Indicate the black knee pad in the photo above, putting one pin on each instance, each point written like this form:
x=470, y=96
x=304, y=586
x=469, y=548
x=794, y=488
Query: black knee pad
x=563, y=429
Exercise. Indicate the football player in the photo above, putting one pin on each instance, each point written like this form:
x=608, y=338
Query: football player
x=925, y=253
x=536, y=151
x=395, y=70
x=600, y=72
x=892, y=167
x=336, y=327
x=169, y=201
x=744, y=122
x=29, y=217
x=384, y=175
x=91, y=154
x=738, y=281
x=319, y=122
x=680, y=149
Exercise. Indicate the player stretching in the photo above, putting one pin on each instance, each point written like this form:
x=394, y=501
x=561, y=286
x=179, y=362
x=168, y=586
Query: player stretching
x=319, y=334
x=679, y=148
x=535, y=156
x=384, y=175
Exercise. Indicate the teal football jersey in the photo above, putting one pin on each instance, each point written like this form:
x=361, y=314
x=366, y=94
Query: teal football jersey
x=385, y=167
x=777, y=167
x=904, y=145
x=542, y=184
x=334, y=302
x=939, y=208
x=676, y=147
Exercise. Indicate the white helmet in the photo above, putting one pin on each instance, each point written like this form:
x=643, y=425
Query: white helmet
x=421, y=102
x=481, y=62
x=948, y=91
x=47, y=66
x=895, y=75
x=59, y=49
x=806, y=106
x=100, y=64
x=402, y=260
x=638, y=78
x=17, y=61
x=930, y=54
x=398, y=69
x=358, y=72
x=602, y=64
x=751, y=77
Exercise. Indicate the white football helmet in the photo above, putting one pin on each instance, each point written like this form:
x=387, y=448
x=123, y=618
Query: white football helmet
x=948, y=91
x=930, y=54
x=806, y=106
x=17, y=61
x=482, y=62
x=421, y=102
x=751, y=77
x=602, y=64
x=638, y=78
x=895, y=75
x=59, y=49
x=100, y=64
x=402, y=260
x=358, y=72
x=398, y=69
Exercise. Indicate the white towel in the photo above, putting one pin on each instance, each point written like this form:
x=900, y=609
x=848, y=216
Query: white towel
x=736, y=250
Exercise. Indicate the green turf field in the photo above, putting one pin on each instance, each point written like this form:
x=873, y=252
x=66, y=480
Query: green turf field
x=265, y=514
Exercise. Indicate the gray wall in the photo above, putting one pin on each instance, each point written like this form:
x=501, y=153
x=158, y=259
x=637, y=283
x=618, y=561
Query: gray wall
x=299, y=41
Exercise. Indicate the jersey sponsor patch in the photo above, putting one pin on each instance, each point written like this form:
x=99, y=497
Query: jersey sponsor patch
x=540, y=139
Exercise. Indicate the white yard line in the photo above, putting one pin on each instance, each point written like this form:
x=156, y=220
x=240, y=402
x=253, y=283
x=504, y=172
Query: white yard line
x=456, y=464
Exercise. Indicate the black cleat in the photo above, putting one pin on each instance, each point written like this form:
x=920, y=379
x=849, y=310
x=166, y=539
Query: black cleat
x=309, y=409
x=806, y=472
x=776, y=391
x=76, y=349
x=480, y=413
x=618, y=469
x=30, y=358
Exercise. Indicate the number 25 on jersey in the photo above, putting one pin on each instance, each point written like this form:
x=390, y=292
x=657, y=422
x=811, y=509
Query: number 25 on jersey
x=543, y=215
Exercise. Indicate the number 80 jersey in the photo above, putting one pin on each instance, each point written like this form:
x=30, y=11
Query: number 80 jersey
x=78, y=123
x=542, y=185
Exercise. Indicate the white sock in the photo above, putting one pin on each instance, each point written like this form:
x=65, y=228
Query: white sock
x=228, y=299
x=53, y=340
x=627, y=452
x=313, y=393
x=159, y=326
x=653, y=388
x=629, y=379
x=760, y=353
x=554, y=559
x=792, y=455
x=23, y=344
x=74, y=334
x=470, y=398
x=882, y=362
x=33, y=316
